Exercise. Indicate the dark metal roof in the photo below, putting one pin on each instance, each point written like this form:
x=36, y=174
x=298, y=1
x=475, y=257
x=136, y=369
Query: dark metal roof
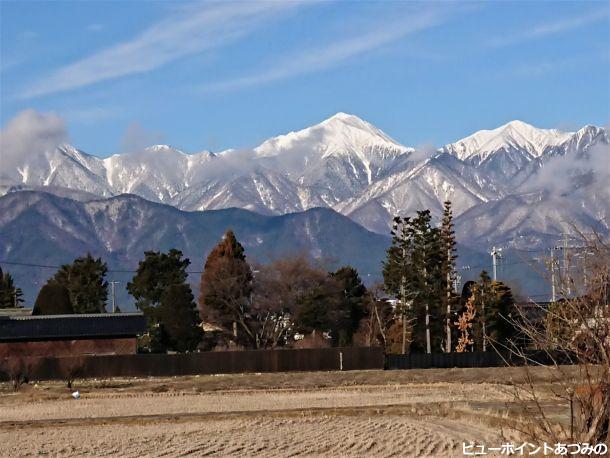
x=49, y=327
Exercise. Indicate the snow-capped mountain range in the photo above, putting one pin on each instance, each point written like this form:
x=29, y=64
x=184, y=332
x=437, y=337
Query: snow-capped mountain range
x=349, y=165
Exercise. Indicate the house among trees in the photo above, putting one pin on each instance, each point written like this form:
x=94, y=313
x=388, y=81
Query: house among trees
x=69, y=335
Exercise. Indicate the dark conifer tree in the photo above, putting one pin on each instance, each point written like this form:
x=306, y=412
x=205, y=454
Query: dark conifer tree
x=352, y=305
x=426, y=283
x=84, y=279
x=10, y=295
x=449, y=300
x=501, y=315
x=483, y=298
x=156, y=273
x=320, y=308
x=496, y=313
x=53, y=299
x=178, y=319
x=399, y=275
x=398, y=268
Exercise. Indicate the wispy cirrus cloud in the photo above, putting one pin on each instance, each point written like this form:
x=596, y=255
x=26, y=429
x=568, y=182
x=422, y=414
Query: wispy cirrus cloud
x=332, y=54
x=187, y=31
x=555, y=27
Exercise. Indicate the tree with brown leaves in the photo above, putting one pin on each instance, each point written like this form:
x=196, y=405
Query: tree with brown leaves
x=226, y=287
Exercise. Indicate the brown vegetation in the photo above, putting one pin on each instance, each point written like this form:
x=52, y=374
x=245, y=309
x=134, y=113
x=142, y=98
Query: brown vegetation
x=374, y=413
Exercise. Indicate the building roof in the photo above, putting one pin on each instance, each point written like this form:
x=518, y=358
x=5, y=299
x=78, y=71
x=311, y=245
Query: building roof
x=15, y=311
x=79, y=326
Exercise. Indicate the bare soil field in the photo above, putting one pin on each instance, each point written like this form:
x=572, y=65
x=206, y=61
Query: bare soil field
x=362, y=413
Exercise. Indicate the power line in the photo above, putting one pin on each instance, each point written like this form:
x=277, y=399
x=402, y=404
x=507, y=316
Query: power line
x=491, y=265
x=51, y=266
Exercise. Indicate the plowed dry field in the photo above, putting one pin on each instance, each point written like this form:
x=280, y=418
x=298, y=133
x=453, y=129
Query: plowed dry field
x=366, y=413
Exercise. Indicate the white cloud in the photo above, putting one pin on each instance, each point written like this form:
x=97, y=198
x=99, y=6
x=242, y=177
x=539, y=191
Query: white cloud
x=187, y=31
x=30, y=132
x=335, y=53
x=550, y=28
x=564, y=174
x=136, y=138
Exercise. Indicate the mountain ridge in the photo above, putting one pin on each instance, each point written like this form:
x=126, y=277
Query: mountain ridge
x=344, y=163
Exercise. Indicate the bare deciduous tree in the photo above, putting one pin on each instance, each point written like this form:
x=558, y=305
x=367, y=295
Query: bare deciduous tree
x=575, y=329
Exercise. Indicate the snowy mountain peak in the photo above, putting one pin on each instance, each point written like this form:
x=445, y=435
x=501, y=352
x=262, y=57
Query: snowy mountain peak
x=516, y=135
x=162, y=149
x=341, y=116
x=340, y=133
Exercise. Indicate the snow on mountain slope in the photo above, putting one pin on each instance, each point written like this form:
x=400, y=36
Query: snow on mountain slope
x=157, y=173
x=64, y=166
x=343, y=162
x=515, y=136
x=261, y=190
x=338, y=157
x=535, y=220
x=511, y=154
x=43, y=228
x=426, y=185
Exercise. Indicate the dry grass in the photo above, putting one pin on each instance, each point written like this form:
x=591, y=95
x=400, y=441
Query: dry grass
x=373, y=413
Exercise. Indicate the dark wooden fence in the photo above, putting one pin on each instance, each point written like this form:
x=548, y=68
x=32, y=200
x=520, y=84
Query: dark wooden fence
x=324, y=359
x=474, y=359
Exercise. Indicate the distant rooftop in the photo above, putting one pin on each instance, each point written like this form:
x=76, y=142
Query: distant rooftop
x=15, y=311
x=77, y=326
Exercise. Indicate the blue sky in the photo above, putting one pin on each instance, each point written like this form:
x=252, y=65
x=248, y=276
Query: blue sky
x=216, y=75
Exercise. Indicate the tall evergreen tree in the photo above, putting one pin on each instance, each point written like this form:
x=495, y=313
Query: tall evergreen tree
x=398, y=268
x=178, y=319
x=352, y=305
x=399, y=274
x=157, y=272
x=496, y=312
x=427, y=283
x=482, y=294
x=449, y=299
x=84, y=279
x=321, y=307
x=226, y=287
x=10, y=295
x=418, y=270
x=501, y=315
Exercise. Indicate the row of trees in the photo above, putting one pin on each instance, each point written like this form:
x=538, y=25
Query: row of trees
x=268, y=306
x=79, y=287
x=420, y=272
x=264, y=306
x=487, y=317
x=272, y=305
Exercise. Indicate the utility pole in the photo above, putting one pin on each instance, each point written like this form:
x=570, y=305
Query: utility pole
x=448, y=287
x=553, y=290
x=584, y=269
x=428, y=347
x=456, y=283
x=403, y=303
x=484, y=327
x=404, y=318
x=566, y=272
x=113, y=283
x=495, y=255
